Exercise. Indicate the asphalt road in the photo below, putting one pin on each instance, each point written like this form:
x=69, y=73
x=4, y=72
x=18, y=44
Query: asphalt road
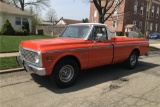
x=108, y=86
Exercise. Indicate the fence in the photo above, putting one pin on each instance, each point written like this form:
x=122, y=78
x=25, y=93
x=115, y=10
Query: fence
x=49, y=30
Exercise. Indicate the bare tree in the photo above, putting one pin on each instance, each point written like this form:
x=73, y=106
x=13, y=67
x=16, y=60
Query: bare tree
x=21, y=4
x=106, y=11
x=51, y=15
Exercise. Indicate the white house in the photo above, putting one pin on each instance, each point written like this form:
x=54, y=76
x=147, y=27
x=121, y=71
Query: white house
x=15, y=16
x=63, y=21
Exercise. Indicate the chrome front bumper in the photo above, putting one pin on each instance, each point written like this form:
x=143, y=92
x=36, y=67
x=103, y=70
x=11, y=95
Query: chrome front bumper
x=29, y=67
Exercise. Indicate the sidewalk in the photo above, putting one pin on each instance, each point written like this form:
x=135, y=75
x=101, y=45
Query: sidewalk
x=155, y=45
x=8, y=54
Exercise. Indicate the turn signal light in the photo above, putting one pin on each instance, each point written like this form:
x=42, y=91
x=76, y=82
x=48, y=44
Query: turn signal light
x=48, y=59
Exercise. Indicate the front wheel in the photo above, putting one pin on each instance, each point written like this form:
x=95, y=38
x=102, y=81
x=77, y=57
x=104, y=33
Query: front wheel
x=65, y=73
x=132, y=61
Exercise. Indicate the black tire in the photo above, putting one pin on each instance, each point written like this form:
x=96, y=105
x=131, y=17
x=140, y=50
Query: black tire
x=65, y=73
x=132, y=61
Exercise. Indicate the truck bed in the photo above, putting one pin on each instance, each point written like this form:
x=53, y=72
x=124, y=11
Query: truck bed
x=116, y=39
x=123, y=46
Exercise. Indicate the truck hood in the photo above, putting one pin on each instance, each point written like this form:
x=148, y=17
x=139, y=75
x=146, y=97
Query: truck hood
x=43, y=45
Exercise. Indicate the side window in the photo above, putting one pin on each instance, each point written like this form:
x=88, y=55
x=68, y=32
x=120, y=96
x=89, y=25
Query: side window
x=101, y=30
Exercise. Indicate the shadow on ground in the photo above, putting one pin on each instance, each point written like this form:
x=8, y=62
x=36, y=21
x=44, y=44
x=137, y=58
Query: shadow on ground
x=95, y=76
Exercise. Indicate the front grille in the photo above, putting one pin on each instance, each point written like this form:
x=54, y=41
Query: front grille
x=28, y=55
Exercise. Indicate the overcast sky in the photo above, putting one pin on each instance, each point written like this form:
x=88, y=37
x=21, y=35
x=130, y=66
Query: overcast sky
x=71, y=9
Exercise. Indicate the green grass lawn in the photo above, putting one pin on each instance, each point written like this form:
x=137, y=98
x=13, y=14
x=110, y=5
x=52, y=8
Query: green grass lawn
x=11, y=43
x=151, y=48
x=8, y=62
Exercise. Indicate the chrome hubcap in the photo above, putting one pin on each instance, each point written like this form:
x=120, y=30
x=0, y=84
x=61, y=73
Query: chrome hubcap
x=66, y=73
x=133, y=60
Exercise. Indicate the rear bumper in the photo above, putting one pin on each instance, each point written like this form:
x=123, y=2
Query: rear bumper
x=30, y=68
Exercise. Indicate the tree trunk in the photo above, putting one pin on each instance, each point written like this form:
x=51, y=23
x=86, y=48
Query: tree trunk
x=101, y=19
x=22, y=4
x=149, y=4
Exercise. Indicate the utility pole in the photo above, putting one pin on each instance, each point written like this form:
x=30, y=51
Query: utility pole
x=149, y=6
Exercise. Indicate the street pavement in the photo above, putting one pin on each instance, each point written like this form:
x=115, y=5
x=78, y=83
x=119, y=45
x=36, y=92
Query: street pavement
x=107, y=86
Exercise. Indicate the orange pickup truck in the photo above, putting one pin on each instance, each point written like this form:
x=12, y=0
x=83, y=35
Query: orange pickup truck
x=79, y=46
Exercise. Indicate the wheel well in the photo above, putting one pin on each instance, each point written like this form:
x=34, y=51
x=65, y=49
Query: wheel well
x=70, y=57
x=137, y=51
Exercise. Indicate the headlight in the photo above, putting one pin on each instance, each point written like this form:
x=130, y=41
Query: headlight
x=36, y=58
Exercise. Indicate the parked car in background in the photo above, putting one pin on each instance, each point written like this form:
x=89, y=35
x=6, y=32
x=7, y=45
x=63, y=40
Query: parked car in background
x=154, y=36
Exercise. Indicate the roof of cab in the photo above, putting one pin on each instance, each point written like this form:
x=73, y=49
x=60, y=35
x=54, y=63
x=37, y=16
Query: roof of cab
x=89, y=24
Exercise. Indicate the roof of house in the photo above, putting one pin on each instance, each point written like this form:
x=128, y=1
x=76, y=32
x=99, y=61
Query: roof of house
x=48, y=22
x=6, y=8
x=129, y=26
x=70, y=21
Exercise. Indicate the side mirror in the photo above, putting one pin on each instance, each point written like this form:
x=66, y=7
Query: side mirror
x=99, y=37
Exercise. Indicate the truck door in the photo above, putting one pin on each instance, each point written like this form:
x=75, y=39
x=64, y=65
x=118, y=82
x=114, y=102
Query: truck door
x=100, y=52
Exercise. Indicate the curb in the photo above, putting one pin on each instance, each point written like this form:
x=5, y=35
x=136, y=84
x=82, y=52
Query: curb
x=11, y=70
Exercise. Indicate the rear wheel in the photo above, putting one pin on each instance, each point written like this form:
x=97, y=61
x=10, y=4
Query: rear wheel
x=65, y=73
x=132, y=61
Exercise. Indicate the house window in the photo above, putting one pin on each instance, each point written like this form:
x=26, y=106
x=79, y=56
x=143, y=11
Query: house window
x=141, y=11
x=152, y=14
x=115, y=11
x=95, y=16
x=114, y=23
x=151, y=25
x=156, y=27
x=135, y=6
x=24, y=20
x=95, y=13
x=134, y=23
x=18, y=21
x=140, y=25
x=157, y=14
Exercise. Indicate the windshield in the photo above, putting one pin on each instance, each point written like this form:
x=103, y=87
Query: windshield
x=75, y=31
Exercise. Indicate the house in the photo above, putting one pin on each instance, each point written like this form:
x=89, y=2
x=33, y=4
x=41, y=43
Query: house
x=63, y=21
x=131, y=12
x=48, y=23
x=15, y=16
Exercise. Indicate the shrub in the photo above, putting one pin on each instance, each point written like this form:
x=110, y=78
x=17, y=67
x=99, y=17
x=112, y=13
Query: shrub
x=127, y=34
x=7, y=28
x=21, y=32
x=26, y=26
x=119, y=33
x=141, y=36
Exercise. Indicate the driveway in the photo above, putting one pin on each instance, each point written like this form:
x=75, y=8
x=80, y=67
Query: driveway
x=107, y=86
